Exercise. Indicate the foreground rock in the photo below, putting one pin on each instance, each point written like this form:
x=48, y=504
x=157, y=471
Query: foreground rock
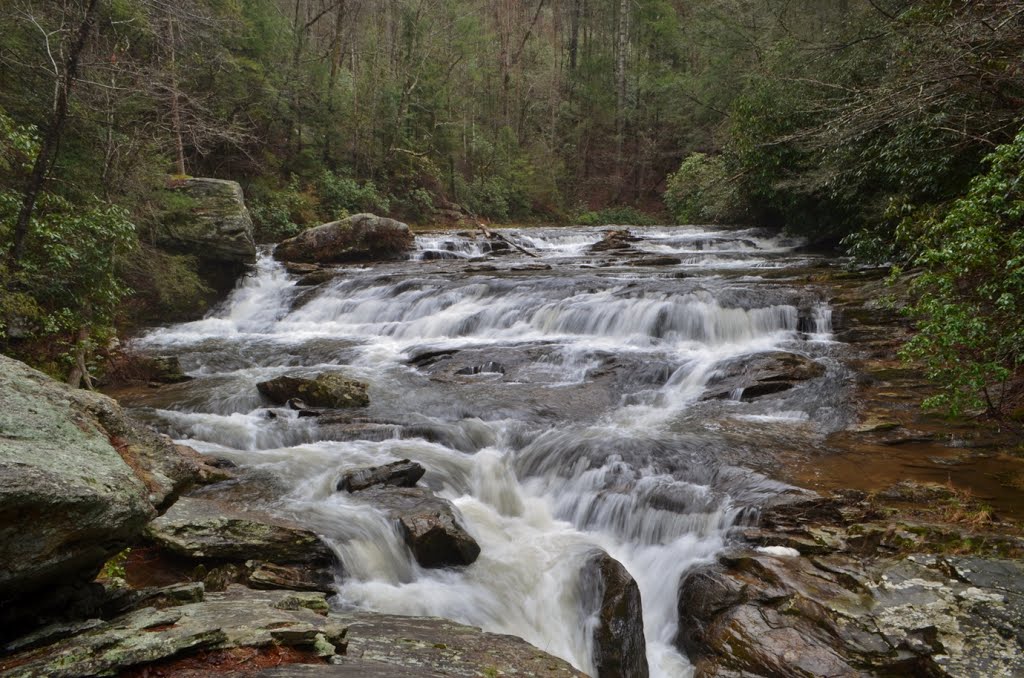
x=233, y=546
x=428, y=647
x=429, y=524
x=325, y=390
x=762, y=374
x=242, y=632
x=402, y=473
x=839, y=587
x=216, y=226
x=80, y=481
x=619, y=645
x=237, y=618
x=359, y=238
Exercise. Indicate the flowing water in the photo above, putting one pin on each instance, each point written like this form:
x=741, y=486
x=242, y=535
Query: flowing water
x=557, y=402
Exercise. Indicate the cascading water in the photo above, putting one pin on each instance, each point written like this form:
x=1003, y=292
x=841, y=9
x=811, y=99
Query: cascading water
x=559, y=410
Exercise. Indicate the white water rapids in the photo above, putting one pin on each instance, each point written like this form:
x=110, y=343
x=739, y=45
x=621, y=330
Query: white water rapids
x=558, y=408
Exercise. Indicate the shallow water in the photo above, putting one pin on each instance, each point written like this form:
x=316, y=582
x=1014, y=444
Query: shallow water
x=559, y=410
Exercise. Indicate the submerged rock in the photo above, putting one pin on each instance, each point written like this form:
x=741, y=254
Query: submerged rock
x=402, y=473
x=80, y=481
x=619, y=645
x=216, y=225
x=359, y=238
x=429, y=524
x=324, y=390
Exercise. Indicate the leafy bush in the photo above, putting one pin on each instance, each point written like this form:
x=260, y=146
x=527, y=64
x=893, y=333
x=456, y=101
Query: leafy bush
x=619, y=216
x=970, y=308
x=340, y=196
x=280, y=214
x=702, y=192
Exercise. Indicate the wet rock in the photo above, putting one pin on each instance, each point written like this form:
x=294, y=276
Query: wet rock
x=359, y=238
x=325, y=390
x=80, y=481
x=486, y=368
x=317, y=278
x=296, y=268
x=609, y=590
x=237, y=618
x=275, y=552
x=430, y=525
x=215, y=227
x=402, y=473
x=765, y=614
x=617, y=241
x=762, y=374
x=658, y=261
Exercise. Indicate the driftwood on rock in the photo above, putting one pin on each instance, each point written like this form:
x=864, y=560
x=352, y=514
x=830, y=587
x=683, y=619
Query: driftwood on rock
x=498, y=236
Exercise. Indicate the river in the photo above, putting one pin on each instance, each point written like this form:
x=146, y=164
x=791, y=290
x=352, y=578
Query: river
x=558, y=402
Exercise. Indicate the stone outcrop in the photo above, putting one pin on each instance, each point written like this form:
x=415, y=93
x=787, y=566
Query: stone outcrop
x=80, y=481
x=429, y=524
x=359, y=238
x=837, y=587
x=325, y=390
x=263, y=551
x=402, y=473
x=215, y=226
x=619, y=645
x=762, y=374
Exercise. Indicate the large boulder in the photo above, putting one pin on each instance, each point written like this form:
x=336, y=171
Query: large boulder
x=68, y=501
x=610, y=592
x=213, y=224
x=429, y=524
x=233, y=545
x=617, y=241
x=359, y=238
x=80, y=481
x=325, y=390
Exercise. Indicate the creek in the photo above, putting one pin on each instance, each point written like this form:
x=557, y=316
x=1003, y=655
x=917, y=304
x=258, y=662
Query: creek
x=559, y=402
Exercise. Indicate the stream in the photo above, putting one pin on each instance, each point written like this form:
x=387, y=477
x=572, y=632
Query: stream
x=559, y=402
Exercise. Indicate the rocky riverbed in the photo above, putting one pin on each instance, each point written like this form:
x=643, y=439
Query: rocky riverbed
x=651, y=451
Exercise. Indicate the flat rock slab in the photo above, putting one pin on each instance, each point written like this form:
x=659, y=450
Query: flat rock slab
x=204, y=529
x=442, y=647
x=239, y=617
x=324, y=390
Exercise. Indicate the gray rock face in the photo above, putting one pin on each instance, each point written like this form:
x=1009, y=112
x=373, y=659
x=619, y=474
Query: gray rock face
x=402, y=473
x=68, y=500
x=765, y=615
x=324, y=390
x=359, y=238
x=762, y=374
x=619, y=645
x=430, y=526
x=202, y=529
x=617, y=241
x=217, y=227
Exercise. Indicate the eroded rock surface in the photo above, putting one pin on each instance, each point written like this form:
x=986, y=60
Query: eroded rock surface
x=359, y=238
x=402, y=473
x=762, y=374
x=217, y=227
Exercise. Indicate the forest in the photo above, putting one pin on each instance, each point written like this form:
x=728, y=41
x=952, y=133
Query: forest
x=888, y=129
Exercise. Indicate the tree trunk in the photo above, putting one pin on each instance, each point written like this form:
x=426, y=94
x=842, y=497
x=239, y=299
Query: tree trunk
x=574, y=33
x=179, y=145
x=51, y=140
